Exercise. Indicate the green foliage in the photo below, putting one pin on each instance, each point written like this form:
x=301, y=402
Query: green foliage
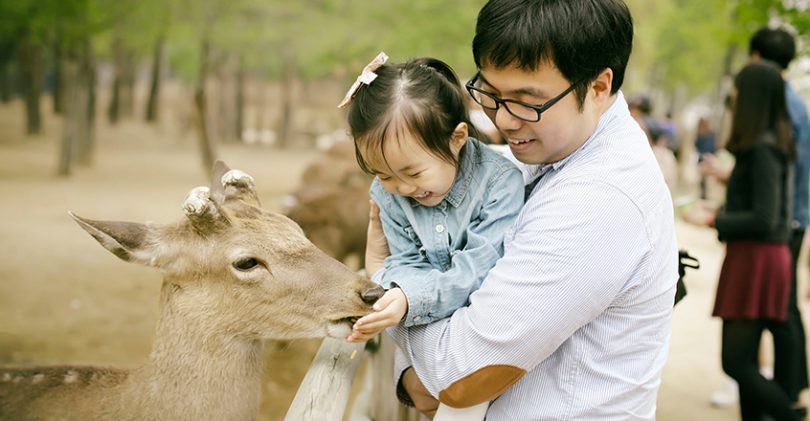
x=684, y=43
x=679, y=43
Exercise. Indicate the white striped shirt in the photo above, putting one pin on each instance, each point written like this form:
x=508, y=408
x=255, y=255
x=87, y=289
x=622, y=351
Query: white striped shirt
x=582, y=298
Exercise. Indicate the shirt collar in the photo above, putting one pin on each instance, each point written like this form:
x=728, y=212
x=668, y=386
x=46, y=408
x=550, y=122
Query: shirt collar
x=461, y=184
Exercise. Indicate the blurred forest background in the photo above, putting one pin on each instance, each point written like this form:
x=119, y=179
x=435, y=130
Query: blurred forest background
x=270, y=71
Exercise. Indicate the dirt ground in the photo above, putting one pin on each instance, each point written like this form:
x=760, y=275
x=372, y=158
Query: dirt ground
x=66, y=300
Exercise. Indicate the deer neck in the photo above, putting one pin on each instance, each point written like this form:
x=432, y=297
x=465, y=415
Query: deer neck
x=202, y=372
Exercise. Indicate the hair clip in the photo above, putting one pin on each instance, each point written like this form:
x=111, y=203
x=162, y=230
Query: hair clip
x=365, y=78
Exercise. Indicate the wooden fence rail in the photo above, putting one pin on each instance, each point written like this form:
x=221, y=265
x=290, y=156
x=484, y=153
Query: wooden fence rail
x=325, y=391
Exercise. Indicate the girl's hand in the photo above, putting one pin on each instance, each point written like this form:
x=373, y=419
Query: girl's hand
x=376, y=243
x=388, y=311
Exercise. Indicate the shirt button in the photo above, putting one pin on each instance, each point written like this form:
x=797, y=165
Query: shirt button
x=440, y=228
x=416, y=318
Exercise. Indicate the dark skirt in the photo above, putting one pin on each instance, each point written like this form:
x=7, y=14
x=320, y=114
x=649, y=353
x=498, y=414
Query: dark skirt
x=754, y=281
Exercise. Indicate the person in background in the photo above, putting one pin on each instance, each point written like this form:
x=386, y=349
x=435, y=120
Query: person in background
x=705, y=145
x=755, y=280
x=670, y=132
x=640, y=108
x=778, y=46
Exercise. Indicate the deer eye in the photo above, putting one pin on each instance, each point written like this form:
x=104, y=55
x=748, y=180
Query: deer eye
x=246, y=264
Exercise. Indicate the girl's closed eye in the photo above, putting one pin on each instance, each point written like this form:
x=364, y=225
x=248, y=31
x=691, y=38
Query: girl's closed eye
x=415, y=175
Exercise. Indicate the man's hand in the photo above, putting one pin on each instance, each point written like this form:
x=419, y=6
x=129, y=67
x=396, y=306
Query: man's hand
x=420, y=396
x=388, y=311
x=376, y=243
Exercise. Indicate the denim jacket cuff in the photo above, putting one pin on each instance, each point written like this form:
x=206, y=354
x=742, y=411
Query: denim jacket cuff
x=419, y=304
x=377, y=277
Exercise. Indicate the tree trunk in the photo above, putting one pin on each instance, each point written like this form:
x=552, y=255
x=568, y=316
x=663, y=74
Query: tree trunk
x=722, y=113
x=225, y=121
x=287, y=80
x=122, y=98
x=87, y=79
x=201, y=105
x=240, y=98
x=5, y=82
x=128, y=97
x=114, y=108
x=7, y=54
x=58, y=79
x=152, y=104
x=31, y=73
x=70, y=127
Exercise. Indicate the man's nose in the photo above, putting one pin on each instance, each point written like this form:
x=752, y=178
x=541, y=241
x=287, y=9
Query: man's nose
x=505, y=120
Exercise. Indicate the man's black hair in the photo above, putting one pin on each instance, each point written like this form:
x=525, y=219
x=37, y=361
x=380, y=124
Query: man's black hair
x=776, y=45
x=580, y=37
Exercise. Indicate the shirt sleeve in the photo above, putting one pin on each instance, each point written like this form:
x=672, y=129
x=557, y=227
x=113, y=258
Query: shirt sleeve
x=763, y=217
x=433, y=294
x=567, y=262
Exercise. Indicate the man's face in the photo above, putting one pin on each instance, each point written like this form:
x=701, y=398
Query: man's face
x=561, y=129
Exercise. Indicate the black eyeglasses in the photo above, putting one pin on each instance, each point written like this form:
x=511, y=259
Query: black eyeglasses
x=526, y=112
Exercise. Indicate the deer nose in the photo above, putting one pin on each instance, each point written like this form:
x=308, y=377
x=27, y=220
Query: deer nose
x=371, y=295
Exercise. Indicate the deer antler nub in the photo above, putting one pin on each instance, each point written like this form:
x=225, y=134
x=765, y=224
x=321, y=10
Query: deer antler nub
x=237, y=178
x=242, y=184
x=197, y=201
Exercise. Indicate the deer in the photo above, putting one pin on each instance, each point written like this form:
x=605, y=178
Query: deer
x=332, y=206
x=234, y=274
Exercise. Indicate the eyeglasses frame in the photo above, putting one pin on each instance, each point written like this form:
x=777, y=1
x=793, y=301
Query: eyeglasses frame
x=540, y=109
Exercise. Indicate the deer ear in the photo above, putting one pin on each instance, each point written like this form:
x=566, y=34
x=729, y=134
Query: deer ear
x=217, y=188
x=127, y=240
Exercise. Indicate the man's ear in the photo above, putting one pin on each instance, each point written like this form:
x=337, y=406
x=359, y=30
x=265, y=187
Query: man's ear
x=602, y=85
x=459, y=137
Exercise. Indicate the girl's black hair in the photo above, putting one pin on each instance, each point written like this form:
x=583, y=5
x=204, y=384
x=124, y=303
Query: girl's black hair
x=421, y=97
x=760, y=107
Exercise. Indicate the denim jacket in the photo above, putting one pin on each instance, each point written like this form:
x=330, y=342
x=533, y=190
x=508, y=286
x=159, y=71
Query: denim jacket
x=801, y=135
x=441, y=254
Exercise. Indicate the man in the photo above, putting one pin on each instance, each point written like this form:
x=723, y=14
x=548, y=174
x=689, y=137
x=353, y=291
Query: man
x=574, y=321
x=778, y=47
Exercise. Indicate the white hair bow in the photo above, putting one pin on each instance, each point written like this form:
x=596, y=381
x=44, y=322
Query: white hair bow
x=365, y=78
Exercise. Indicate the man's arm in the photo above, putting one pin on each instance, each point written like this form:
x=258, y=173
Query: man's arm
x=571, y=257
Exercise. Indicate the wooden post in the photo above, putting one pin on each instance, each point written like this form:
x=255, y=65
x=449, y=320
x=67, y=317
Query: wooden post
x=386, y=406
x=324, y=393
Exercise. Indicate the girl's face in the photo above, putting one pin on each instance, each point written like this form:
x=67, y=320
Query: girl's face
x=408, y=169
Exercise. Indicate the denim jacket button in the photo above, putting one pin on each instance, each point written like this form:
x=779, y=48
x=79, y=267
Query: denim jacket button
x=440, y=228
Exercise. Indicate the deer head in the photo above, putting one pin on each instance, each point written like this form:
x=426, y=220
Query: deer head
x=240, y=270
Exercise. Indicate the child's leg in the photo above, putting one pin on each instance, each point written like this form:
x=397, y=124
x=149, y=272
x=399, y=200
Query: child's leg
x=473, y=413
